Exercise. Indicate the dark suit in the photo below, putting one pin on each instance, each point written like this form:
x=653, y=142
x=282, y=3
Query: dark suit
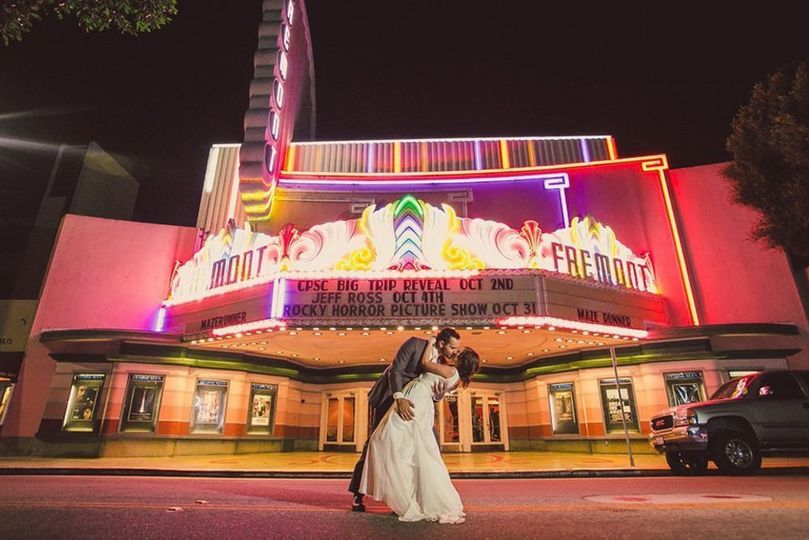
x=405, y=367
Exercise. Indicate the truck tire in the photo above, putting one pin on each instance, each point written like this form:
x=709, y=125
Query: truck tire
x=735, y=452
x=687, y=463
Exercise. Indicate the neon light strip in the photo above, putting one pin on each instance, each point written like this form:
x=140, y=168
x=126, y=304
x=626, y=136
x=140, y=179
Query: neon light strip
x=397, y=157
x=504, y=161
x=290, y=157
x=585, y=152
x=415, y=181
x=371, y=158
x=611, y=147
x=560, y=183
x=279, y=292
x=455, y=139
x=288, y=175
x=249, y=327
x=478, y=157
x=161, y=320
x=334, y=274
x=574, y=325
x=675, y=232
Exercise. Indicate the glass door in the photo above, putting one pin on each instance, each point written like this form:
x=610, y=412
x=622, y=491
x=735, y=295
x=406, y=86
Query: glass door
x=339, y=421
x=487, y=420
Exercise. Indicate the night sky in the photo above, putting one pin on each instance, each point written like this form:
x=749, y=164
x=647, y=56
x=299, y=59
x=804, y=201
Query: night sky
x=658, y=81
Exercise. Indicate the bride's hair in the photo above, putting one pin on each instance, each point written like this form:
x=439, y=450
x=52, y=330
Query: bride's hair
x=468, y=364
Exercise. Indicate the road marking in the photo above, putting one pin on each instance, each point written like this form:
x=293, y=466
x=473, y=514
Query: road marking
x=677, y=498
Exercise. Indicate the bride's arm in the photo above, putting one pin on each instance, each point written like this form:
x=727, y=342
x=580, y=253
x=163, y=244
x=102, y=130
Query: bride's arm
x=442, y=370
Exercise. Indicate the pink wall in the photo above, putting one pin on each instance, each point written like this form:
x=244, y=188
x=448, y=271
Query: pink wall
x=737, y=279
x=103, y=274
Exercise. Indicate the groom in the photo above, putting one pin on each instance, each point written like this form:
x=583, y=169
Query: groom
x=387, y=391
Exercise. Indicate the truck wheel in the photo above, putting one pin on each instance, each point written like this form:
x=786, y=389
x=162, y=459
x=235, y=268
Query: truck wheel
x=735, y=452
x=687, y=463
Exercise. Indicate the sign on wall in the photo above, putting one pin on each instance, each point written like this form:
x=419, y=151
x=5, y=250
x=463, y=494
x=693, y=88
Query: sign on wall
x=16, y=319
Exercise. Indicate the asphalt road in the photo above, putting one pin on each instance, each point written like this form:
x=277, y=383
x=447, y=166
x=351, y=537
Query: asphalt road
x=146, y=507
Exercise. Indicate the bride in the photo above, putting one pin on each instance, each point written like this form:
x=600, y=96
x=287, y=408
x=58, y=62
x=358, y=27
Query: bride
x=404, y=466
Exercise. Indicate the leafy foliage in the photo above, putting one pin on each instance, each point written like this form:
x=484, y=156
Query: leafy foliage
x=770, y=171
x=132, y=17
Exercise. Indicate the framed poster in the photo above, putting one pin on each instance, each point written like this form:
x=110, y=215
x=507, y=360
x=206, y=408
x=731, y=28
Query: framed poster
x=208, y=407
x=563, y=408
x=82, y=405
x=261, y=418
x=142, y=403
x=684, y=387
x=616, y=405
x=6, y=388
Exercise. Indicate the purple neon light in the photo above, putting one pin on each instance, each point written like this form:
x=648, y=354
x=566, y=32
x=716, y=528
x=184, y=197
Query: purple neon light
x=371, y=158
x=478, y=157
x=585, y=151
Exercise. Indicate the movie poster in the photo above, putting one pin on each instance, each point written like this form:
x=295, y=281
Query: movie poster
x=262, y=407
x=208, y=410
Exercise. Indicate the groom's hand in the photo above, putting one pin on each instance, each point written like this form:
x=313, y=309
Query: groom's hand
x=404, y=408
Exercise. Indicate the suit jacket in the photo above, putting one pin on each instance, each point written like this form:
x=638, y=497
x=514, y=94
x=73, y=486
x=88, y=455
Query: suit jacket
x=405, y=367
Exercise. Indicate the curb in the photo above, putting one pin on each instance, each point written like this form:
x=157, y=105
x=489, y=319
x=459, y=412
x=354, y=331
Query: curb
x=466, y=475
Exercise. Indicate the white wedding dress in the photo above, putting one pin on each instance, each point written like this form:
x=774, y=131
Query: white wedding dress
x=404, y=468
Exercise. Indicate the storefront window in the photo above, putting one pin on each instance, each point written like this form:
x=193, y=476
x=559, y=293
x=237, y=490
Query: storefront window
x=262, y=408
x=6, y=388
x=208, y=409
x=684, y=387
x=82, y=405
x=563, y=408
x=450, y=409
x=615, y=406
x=494, y=419
x=477, y=419
x=332, y=419
x=341, y=413
x=142, y=402
x=348, y=419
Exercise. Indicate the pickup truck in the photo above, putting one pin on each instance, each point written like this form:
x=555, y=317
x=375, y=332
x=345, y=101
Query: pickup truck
x=766, y=412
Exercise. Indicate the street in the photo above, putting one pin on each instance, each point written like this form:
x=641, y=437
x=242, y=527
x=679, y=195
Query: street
x=148, y=507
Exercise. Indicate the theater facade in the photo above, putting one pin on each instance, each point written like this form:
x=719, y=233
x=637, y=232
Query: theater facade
x=264, y=328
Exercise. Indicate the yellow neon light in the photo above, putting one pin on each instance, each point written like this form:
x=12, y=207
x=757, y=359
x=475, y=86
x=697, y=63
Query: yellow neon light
x=397, y=157
x=504, y=161
x=689, y=293
x=423, y=164
x=611, y=147
x=532, y=156
x=290, y=156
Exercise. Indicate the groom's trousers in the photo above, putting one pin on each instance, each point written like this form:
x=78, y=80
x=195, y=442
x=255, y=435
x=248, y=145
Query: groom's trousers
x=378, y=414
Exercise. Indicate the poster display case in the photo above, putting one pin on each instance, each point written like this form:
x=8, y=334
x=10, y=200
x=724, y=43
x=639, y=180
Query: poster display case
x=615, y=405
x=209, y=405
x=82, y=405
x=563, y=408
x=261, y=419
x=684, y=387
x=6, y=389
x=142, y=403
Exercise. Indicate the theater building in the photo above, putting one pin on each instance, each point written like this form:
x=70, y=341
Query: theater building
x=264, y=328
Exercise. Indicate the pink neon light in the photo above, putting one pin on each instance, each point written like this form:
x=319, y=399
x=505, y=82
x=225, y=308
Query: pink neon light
x=249, y=327
x=416, y=181
x=574, y=325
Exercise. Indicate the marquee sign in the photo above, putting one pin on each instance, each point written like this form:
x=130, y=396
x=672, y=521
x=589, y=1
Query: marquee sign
x=408, y=236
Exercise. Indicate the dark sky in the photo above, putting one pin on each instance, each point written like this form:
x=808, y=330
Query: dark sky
x=659, y=81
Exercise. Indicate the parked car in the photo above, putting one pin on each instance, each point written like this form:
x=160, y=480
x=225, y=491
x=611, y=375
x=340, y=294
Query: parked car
x=765, y=412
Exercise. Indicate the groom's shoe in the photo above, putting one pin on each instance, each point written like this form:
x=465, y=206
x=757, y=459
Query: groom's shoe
x=357, y=504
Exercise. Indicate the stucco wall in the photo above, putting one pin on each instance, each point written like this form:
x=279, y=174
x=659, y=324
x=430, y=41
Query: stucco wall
x=102, y=274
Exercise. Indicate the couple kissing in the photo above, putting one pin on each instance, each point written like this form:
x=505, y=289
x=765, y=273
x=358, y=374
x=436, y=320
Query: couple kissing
x=401, y=462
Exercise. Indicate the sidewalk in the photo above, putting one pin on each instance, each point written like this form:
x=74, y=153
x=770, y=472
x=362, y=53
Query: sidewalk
x=340, y=465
